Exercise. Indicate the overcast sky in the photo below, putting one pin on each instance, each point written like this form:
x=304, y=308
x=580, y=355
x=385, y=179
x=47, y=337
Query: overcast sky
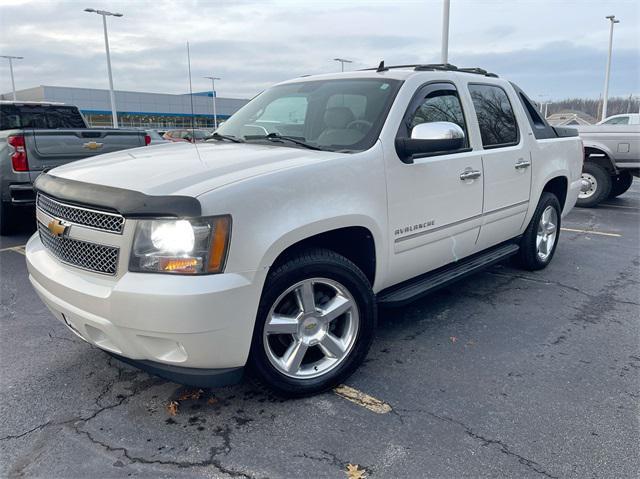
x=554, y=48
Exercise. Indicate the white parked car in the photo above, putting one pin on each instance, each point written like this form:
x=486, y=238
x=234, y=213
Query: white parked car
x=622, y=119
x=271, y=246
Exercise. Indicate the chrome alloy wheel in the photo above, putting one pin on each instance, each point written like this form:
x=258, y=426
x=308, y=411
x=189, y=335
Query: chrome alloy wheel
x=588, y=187
x=311, y=328
x=547, y=233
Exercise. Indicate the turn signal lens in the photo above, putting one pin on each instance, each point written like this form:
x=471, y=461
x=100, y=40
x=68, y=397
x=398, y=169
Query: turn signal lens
x=219, y=244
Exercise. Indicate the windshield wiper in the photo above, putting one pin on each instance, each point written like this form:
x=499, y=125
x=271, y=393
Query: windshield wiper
x=279, y=137
x=219, y=137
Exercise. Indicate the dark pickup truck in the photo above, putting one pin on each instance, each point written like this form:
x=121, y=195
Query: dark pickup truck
x=35, y=136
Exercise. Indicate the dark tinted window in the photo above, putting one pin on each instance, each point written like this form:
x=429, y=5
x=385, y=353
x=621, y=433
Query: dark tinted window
x=496, y=119
x=39, y=116
x=439, y=105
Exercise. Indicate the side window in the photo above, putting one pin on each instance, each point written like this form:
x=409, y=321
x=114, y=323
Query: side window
x=498, y=126
x=621, y=120
x=437, y=105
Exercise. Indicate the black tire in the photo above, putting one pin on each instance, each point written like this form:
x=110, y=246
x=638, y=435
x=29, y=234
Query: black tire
x=600, y=185
x=7, y=218
x=528, y=257
x=620, y=184
x=312, y=263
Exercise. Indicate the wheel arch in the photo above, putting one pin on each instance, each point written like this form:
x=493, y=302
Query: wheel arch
x=559, y=186
x=600, y=155
x=355, y=240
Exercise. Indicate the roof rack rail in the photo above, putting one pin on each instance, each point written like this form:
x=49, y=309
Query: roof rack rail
x=432, y=67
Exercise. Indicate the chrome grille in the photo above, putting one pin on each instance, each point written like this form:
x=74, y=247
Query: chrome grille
x=95, y=219
x=89, y=256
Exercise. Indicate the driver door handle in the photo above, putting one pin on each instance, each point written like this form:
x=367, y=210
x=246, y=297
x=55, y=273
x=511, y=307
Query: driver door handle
x=470, y=174
x=522, y=163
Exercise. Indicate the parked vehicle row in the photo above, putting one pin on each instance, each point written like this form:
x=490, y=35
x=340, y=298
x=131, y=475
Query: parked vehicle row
x=271, y=246
x=35, y=136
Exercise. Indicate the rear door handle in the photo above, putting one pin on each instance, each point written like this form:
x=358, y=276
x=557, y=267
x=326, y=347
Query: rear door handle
x=521, y=163
x=470, y=174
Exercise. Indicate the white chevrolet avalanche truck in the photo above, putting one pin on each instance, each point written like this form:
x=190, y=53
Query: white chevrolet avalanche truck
x=270, y=246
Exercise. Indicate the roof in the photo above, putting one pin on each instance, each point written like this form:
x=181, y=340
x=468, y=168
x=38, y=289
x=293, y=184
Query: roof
x=399, y=72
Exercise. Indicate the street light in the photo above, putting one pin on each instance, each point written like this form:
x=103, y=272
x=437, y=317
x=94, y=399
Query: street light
x=213, y=95
x=444, y=55
x=612, y=19
x=104, y=14
x=13, y=83
x=342, y=62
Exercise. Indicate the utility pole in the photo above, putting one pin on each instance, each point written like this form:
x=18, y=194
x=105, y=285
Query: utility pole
x=213, y=93
x=612, y=19
x=444, y=56
x=112, y=97
x=342, y=62
x=13, y=83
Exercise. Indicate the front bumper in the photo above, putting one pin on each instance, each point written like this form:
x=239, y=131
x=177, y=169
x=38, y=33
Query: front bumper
x=202, y=322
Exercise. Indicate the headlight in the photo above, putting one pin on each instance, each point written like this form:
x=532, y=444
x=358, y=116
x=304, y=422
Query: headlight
x=186, y=246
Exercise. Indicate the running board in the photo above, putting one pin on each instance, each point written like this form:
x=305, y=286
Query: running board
x=415, y=288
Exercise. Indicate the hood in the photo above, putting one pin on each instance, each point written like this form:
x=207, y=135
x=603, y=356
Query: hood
x=186, y=169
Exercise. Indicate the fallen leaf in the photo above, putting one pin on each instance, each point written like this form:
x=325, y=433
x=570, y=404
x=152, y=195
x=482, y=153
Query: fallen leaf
x=190, y=394
x=354, y=472
x=212, y=401
x=453, y=339
x=172, y=408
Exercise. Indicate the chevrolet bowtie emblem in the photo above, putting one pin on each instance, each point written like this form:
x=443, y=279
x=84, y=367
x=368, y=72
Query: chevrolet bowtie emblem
x=92, y=145
x=57, y=228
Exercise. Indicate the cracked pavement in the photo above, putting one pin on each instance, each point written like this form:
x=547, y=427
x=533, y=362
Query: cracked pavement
x=505, y=374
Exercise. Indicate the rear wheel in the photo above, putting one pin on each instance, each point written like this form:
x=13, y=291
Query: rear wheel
x=7, y=218
x=538, y=244
x=620, y=184
x=596, y=185
x=315, y=324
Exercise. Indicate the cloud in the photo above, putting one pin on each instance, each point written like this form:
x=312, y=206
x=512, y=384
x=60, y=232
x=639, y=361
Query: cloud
x=548, y=47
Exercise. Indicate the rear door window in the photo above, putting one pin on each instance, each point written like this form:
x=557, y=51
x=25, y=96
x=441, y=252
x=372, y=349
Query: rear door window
x=497, y=121
x=40, y=117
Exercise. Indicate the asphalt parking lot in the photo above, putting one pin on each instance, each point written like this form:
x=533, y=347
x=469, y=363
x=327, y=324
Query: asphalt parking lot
x=506, y=374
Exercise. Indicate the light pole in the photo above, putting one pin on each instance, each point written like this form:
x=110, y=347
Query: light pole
x=444, y=55
x=105, y=14
x=213, y=95
x=13, y=83
x=612, y=19
x=342, y=62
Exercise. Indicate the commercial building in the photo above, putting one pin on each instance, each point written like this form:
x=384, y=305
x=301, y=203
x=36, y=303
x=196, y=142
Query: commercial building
x=136, y=109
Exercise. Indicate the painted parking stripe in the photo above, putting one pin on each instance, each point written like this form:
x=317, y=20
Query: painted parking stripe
x=362, y=399
x=17, y=249
x=591, y=232
x=621, y=206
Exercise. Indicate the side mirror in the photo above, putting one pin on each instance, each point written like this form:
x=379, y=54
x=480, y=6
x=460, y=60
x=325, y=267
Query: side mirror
x=437, y=136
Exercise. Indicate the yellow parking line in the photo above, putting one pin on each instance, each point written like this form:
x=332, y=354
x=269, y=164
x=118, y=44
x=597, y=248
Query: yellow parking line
x=615, y=235
x=362, y=399
x=17, y=249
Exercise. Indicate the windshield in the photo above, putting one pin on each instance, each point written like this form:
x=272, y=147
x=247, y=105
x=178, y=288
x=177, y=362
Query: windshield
x=328, y=114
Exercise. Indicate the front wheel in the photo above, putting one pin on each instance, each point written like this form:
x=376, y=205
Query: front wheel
x=315, y=324
x=540, y=239
x=596, y=185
